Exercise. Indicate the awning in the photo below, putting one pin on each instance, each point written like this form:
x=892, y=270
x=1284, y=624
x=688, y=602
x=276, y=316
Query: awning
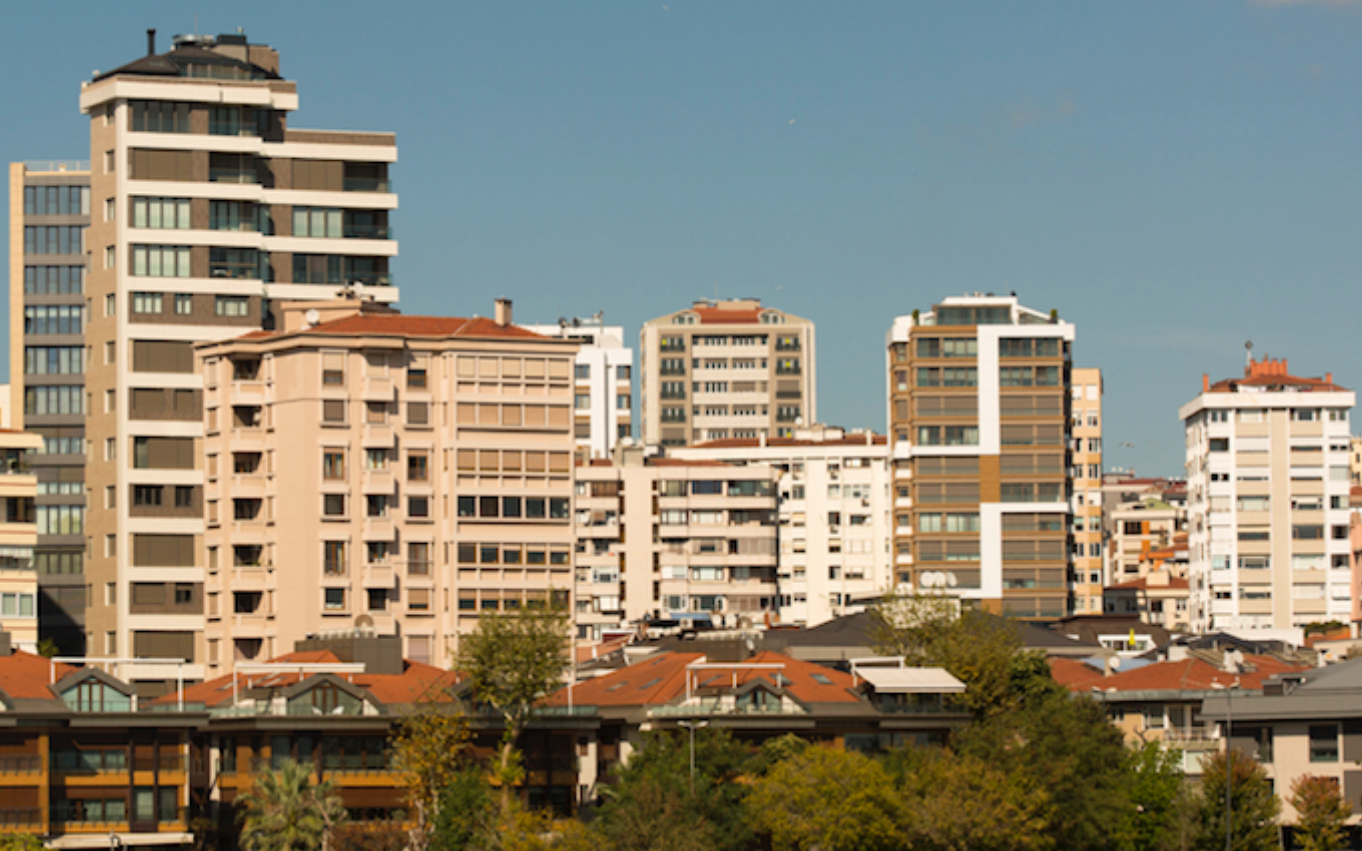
x=911, y=680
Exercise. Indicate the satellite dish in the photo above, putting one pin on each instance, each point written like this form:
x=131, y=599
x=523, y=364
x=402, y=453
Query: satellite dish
x=1115, y=663
x=312, y=316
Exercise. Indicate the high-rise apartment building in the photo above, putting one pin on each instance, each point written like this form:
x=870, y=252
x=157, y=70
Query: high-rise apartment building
x=602, y=393
x=1267, y=500
x=722, y=369
x=48, y=212
x=674, y=538
x=835, y=516
x=208, y=210
x=368, y=470
x=979, y=393
x=1085, y=422
x=18, y=538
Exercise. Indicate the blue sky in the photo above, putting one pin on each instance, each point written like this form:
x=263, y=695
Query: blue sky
x=1174, y=177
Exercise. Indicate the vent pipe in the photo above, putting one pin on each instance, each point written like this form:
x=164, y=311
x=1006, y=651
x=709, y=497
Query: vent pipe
x=151, y=42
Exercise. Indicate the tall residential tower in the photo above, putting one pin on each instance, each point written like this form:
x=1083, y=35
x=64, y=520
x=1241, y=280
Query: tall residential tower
x=207, y=211
x=979, y=423
x=1267, y=500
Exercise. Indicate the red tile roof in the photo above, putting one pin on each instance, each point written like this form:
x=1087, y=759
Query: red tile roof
x=662, y=679
x=718, y=316
x=1272, y=374
x=397, y=325
x=25, y=675
x=417, y=681
x=1187, y=674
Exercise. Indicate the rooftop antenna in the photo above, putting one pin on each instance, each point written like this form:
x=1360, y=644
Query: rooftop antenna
x=1248, y=353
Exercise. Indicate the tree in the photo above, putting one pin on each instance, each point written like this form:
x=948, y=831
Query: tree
x=21, y=842
x=1158, y=789
x=1321, y=813
x=465, y=816
x=652, y=807
x=512, y=661
x=284, y=811
x=829, y=799
x=47, y=648
x=428, y=747
x=960, y=802
x=975, y=647
x=1253, y=807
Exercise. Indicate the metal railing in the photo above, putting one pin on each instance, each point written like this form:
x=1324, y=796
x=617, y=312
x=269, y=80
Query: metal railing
x=20, y=764
x=56, y=165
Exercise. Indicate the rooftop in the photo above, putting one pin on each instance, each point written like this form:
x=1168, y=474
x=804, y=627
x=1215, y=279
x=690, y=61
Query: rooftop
x=1269, y=375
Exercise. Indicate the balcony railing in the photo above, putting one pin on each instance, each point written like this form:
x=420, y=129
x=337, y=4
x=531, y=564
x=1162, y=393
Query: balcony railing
x=232, y=175
x=368, y=184
x=368, y=232
x=20, y=764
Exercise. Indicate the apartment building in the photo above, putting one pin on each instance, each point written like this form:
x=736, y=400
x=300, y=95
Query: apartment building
x=19, y=585
x=1137, y=528
x=49, y=210
x=722, y=369
x=1267, y=507
x=836, y=516
x=208, y=211
x=369, y=470
x=672, y=538
x=1085, y=421
x=603, y=380
x=979, y=401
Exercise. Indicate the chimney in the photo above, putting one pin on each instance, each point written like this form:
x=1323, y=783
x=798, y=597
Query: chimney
x=151, y=42
x=1205, y=382
x=1328, y=378
x=503, y=314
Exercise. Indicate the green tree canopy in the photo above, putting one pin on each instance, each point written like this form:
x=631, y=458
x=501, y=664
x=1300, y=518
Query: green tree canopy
x=284, y=811
x=511, y=661
x=653, y=789
x=1321, y=813
x=822, y=798
x=1253, y=807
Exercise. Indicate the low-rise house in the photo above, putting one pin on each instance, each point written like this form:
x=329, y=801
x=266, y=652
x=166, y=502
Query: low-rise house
x=1161, y=701
x=1303, y=722
x=765, y=696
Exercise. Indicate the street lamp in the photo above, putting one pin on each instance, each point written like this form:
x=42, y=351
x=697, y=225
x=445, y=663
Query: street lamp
x=692, y=726
x=1229, y=761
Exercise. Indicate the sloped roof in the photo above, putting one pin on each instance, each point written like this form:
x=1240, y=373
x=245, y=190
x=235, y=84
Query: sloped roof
x=749, y=442
x=28, y=676
x=172, y=64
x=719, y=316
x=661, y=679
x=1190, y=674
x=911, y=680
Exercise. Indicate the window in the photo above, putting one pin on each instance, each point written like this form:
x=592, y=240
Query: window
x=418, y=507
x=335, y=560
x=334, y=599
x=1323, y=743
x=229, y=305
x=154, y=116
x=333, y=464
x=333, y=411
x=418, y=467
x=184, y=304
x=161, y=261
x=317, y=222
x=146, y=302
x=160, y=213
x=333, y=505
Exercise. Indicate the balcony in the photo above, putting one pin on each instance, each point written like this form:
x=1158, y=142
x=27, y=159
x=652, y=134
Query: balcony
x=368, y=184
x=380, y=574
x=358, y=231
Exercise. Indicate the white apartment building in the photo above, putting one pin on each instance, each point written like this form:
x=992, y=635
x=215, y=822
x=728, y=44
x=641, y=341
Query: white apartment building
x=602, y=382
x=1267, y=484
x=1085, y=423
x=836, y=515
x=675, y=539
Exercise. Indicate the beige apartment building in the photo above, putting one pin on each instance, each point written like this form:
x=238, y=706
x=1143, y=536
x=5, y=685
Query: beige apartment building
x=208, y=210
x=1085, y=470
x=18, y=538
x=49, y=209
x=722, y=369
x=603, y=380
x=1268, y=500
x=672, y=538
x=979, y=400
x=372, y=471
x=836, y=516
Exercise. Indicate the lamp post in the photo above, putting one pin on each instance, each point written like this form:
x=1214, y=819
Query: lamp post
x=1229, y=764
x=692, y=726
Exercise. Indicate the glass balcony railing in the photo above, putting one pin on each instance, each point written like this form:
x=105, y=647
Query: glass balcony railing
x=368, y=184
